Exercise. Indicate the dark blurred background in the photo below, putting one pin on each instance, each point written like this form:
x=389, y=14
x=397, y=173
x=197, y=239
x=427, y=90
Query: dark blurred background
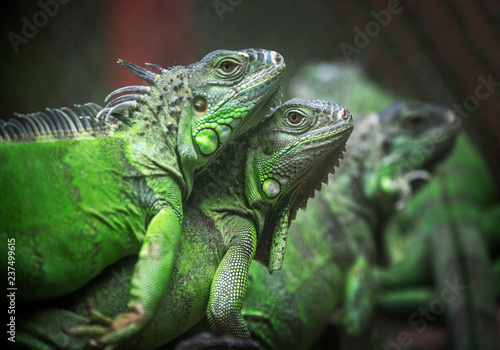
x=57, y=53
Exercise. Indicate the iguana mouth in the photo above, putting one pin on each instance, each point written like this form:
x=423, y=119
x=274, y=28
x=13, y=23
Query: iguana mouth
x=263, y=77
x=267, y=104
x=429, y=166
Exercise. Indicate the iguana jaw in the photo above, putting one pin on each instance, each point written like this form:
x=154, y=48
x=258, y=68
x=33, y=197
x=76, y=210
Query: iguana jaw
x=312, y=181
x=265, y=105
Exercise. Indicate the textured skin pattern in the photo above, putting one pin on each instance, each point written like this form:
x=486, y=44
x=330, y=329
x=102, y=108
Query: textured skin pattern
x=231, y=278
x=331, y=247
x=219, y=208
x=76, y=205
x=64, y=122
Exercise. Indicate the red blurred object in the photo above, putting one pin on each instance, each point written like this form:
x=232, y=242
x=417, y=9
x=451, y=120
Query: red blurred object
x=155, y=31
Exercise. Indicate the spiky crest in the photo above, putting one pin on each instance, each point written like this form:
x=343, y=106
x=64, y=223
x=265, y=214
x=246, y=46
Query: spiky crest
x=57, y=122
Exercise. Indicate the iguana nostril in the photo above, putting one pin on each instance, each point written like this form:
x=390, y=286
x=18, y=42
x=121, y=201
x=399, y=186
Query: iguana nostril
x=344, y=114
x=276, y=56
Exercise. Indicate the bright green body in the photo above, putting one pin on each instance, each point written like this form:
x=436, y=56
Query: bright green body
x=291, y=308
x=181, y=307
x=232, y=206
x=105, y=208
x=75, y=203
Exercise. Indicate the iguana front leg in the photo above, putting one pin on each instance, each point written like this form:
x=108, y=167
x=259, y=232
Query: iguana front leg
x=150, y=280
x=151, y=275
x=229, y=285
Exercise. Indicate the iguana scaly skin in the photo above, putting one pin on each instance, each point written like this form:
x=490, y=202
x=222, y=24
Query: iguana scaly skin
x=233, y=204
x=331, y=249
x=75, y=200
x=442, y=235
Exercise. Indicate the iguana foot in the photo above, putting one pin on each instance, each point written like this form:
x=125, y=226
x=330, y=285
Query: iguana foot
x=91, y=330
x=107, y=334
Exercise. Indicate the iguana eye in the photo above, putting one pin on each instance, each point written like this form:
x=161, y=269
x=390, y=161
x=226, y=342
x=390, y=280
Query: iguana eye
x=414, y=121
x=227, y=66
x=230, y=68
x=294, y=118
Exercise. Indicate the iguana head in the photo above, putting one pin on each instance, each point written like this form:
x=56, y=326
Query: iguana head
x=231, y=91
x=415, y=137
x=227, y=93
x=294, y=151
x=203, y=106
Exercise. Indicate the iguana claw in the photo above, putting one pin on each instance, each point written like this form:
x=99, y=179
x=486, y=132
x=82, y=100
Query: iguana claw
x=107, y=332
x=86, y=331
x=96, y=316
x=110, y=333
x=69, y=332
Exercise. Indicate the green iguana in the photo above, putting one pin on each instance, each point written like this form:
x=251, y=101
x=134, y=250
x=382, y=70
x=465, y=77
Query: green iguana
x=347, y=85
x=442, y=237
x=79, y=193
x=248, y=193
x=385, y=154
x=331, y=247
